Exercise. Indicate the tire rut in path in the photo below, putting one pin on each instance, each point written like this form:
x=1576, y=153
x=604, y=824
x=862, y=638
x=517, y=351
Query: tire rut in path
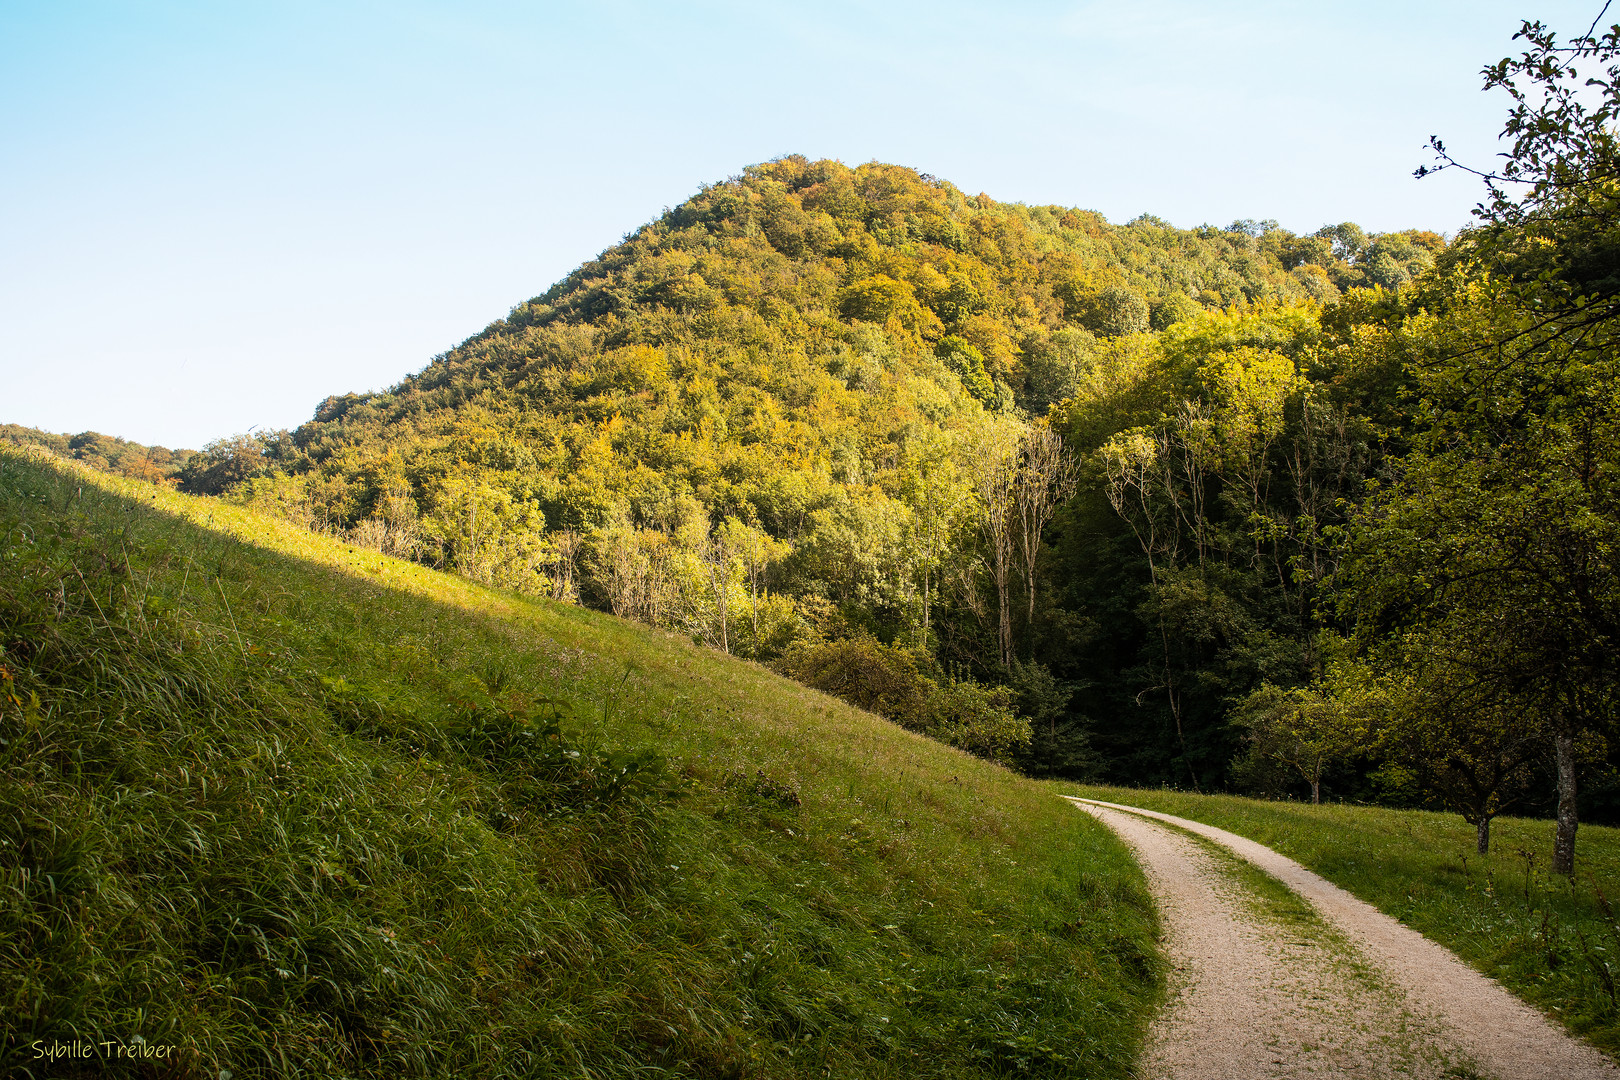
x=1251, y=998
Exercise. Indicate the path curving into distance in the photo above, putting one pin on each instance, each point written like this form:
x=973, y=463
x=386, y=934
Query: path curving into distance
x=1353, y=993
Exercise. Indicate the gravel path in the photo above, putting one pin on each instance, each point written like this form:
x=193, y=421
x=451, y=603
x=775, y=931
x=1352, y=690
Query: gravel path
x=1353, y=994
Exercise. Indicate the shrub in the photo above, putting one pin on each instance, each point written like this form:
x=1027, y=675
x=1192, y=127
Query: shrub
x=888, y=680
x=978, y=719
x=866, y=673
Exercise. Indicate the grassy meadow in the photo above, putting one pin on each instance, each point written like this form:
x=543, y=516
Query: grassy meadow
x=286, y=807
x=1553, y=941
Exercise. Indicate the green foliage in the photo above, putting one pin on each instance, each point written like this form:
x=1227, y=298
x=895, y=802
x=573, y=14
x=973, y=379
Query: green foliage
x=1348, y=240
x=961, y=357
x=1552, y=217
x=156, y=464
x=1221, y=460
x=781, y=349
x=1118, y=311
x=978, y=719
x=1060, y=742
x=1482, y=578
x=866, y=673
x=1299, y=728
x=225, y=463
x=1175, y=308
x=880, y=299
x=889, y=680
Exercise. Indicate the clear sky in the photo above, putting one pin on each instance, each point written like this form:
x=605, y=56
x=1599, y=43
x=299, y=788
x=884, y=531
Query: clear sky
x=212, y=215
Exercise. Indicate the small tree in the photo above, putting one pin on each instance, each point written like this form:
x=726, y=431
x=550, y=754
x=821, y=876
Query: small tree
x=224, y=463
x=755, y=551
x=1301, y=728
x=937, y=495
x=1116, y=311
x=1447, y=720
x=719, y=551
x=565, y=543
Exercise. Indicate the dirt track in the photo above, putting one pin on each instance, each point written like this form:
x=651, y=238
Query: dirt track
x=1353, y=994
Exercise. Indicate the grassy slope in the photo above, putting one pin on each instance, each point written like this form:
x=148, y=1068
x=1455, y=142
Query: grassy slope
x=1554, y=942
x=299, y=809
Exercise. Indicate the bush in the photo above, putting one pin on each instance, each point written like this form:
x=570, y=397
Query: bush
x=888, y=680
x=978, y=719
x=866, y=673
x=225, y=463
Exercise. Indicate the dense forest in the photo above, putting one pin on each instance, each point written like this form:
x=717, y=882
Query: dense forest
x=1221, y=508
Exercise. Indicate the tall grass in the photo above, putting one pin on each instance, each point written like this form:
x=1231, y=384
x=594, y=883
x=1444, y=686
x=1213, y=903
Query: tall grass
x=1554, y=941
x=296, y=809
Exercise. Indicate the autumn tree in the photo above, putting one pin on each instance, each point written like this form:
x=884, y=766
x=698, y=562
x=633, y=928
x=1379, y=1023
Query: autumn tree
x=785, y=349
x=935, y=490
x=230, y=461
x=1047, y=475
x=565, y=545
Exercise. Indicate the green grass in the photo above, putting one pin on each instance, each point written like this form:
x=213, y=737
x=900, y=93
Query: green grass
x=1553, y=941
x=297, y=809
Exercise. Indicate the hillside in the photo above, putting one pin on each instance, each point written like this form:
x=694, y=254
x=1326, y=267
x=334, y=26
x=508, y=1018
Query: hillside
x=783, y=413
x=295, y=808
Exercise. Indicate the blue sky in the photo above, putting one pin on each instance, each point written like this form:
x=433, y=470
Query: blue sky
x=214, y=215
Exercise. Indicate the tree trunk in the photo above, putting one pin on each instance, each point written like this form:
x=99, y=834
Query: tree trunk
x=923, y=642
x=755, y=649
x=1175, y=705
x=1563, y=860
x=1316, y=793
x=1482, y=829
x=719, y=583
x=1005, y=634
x=1029, y=627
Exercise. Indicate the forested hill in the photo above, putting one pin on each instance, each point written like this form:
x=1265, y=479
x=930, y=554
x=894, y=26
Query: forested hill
x=800, y=408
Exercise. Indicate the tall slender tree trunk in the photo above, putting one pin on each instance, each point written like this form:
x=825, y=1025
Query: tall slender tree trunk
x=1175, y=706
x=755, y=592
x=1005, y=606
x=1482, y=833
x=922, y=642
x=1563, y=860
x=718, y=555
x=1047, y=477
x=1029, y=627
x=720, y=605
